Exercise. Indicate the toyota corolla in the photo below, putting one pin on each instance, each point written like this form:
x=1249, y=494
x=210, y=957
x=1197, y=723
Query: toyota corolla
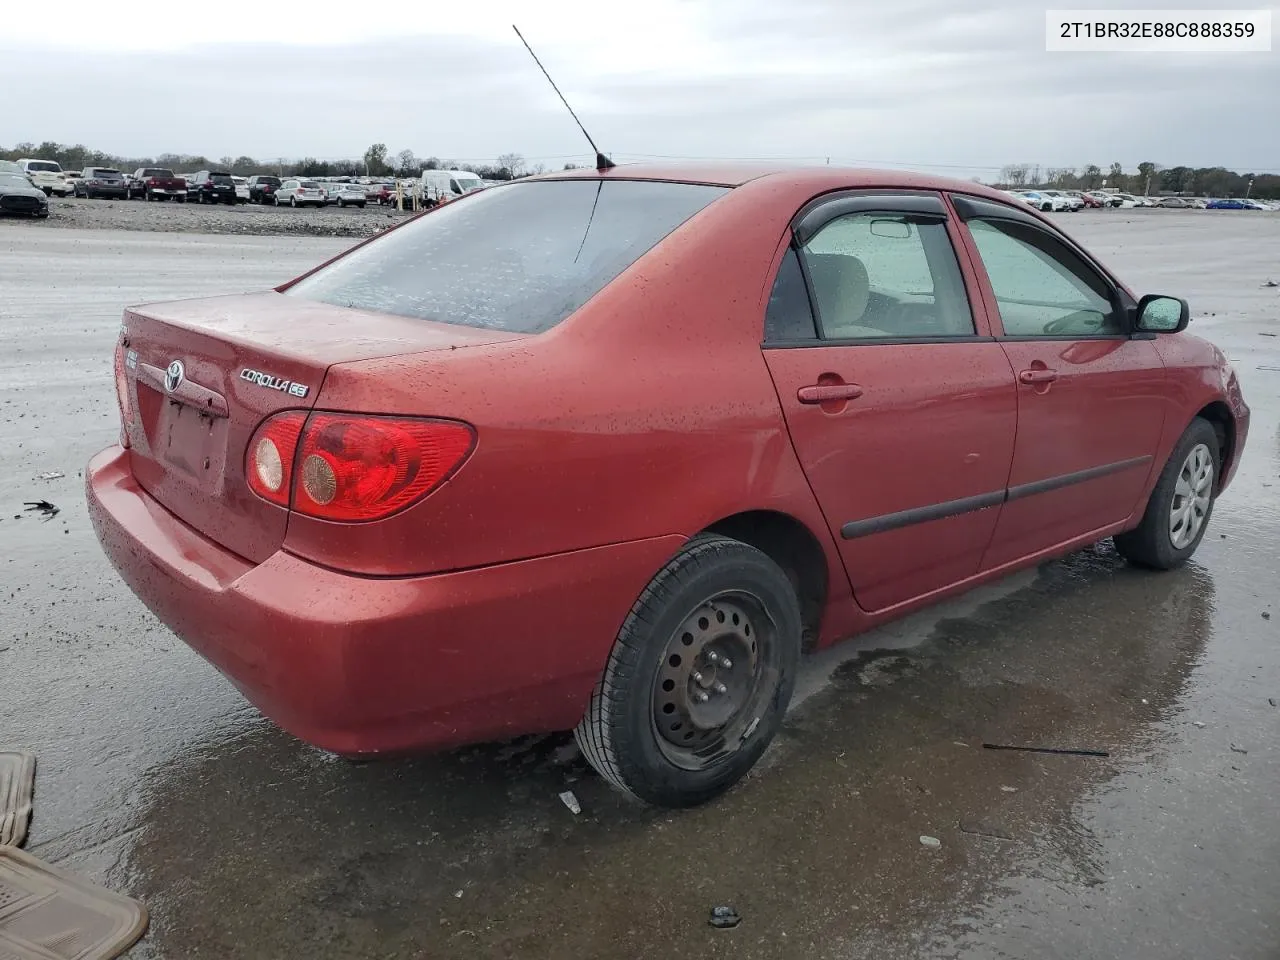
x=609, y=451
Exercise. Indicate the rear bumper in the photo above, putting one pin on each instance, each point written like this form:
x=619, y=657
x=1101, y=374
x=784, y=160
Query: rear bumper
x=359, y=665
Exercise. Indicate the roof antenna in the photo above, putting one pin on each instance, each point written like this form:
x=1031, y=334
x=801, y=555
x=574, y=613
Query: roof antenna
x=602, y=162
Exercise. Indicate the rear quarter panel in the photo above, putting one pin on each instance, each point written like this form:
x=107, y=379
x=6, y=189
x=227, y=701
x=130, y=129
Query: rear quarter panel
x=649, y=412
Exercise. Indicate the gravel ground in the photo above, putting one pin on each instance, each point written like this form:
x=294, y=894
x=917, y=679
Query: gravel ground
x=243, y=219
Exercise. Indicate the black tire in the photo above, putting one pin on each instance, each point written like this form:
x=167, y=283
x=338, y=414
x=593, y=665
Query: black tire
x=360, y=204
x=645, y=678
x=1151, y=543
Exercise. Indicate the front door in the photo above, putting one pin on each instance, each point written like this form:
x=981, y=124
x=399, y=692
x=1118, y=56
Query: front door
x=1091, y=400
x=901, y=409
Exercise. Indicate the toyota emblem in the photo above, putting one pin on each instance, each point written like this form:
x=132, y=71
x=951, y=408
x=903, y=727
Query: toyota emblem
x=174, y=376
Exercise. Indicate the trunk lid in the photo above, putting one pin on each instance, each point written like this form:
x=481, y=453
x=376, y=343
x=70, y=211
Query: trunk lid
x=201, y=375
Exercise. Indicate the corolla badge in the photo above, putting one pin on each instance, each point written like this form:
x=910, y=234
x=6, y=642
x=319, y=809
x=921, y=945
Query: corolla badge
x=174, y=376
x=272, y=382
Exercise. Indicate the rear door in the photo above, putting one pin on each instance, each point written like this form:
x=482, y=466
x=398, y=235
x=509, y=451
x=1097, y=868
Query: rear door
x=1091, y=394
x=900, y=404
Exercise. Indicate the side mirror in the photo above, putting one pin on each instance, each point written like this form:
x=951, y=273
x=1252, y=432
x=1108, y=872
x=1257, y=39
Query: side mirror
x=1160, y=314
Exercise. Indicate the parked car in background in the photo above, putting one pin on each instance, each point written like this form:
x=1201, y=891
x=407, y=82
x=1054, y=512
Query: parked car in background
x=211, y=186
x=157, y=183
x=1044, y=201
x=1071, y=203
x=242, y=188
x=449, y=183
x=1086, y=198
x=300, y=193
x=1174, y=203
x=404, y=543
x=19, y=196
x=45, y=174
x=346, y=194
x=262, y=188
x=1226, y=203
x=106, y=182
x=1252, y=204
x=385, y=193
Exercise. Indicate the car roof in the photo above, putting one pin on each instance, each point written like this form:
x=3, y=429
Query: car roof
x=733, y=174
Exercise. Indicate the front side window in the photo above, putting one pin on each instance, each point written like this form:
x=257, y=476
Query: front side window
x=883, y=275
x=520, y=259
x=1041, y=287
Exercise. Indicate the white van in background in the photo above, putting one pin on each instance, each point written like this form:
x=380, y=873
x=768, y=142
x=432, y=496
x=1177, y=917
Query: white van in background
x=449, y=183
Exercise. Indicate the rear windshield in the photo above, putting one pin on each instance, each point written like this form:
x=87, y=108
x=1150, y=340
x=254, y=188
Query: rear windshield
x=520, y=259
x=274, y=181
x=221, y=178
x=160, y=172
x=310, y=185
x=46, y=166
x=106, y=174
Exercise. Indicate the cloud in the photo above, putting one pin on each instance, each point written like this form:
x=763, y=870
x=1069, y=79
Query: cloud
x=913, y=83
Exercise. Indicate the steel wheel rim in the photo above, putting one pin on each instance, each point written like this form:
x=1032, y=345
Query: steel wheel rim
x=718, y=673
x=1192, y=496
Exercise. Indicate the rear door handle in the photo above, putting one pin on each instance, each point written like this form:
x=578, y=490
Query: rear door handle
x=822, y=393
x=1038, y=376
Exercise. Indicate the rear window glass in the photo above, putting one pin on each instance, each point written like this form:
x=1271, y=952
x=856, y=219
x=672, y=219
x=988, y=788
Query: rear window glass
x=45, y=166
x=221, y=178
x=109, y=173
x=310, y=185
x=520, y=259
x=160, y=172
x=274, y=181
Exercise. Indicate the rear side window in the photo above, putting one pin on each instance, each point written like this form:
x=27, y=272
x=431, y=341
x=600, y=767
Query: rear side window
x=877, y=275
x=520, y=259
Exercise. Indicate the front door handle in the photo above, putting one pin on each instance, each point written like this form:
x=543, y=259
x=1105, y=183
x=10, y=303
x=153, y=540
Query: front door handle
x=826, y=392
x=1038, y=376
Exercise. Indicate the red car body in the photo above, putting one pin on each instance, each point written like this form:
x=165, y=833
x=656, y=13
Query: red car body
x=882, y=476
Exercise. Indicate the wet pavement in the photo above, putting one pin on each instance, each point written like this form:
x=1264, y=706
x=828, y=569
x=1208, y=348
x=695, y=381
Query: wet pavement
x=156, y=778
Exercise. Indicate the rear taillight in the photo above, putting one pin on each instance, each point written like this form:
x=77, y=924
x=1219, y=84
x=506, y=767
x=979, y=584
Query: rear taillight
x=269, y=464
x=351, y=468
x=122, y=393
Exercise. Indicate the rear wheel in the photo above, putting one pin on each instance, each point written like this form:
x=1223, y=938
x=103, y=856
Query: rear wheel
x=1178, y=512
x=699, y=677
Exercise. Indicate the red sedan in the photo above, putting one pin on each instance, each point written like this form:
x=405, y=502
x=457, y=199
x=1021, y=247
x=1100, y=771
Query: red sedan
x=608, y=451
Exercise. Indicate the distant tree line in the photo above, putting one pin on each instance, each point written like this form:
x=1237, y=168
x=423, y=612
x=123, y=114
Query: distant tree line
x=1150, y=179
x=376, y=162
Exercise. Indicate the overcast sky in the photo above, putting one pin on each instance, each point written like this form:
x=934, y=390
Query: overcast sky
x=917, y=83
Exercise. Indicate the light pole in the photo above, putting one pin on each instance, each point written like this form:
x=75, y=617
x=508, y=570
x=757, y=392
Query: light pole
x=1247, y=189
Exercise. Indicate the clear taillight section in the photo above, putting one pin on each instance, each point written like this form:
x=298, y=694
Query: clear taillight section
x=269, y=465
x=352, y=468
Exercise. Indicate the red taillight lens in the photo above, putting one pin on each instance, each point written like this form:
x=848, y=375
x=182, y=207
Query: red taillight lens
x=269, y=462
x=354, y=468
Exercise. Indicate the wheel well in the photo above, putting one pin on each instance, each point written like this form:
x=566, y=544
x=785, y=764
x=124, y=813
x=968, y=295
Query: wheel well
x=1219, y=416
x=793, y=547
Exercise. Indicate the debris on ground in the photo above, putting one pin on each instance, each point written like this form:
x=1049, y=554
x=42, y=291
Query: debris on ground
x=49, y=475
x=933, y=843
x=1235, y=749
x=570, y=800
x=992, y=831
x=1271, y=700
x=44, y=507
x=1265, y=615
x=1009, y=789
x=1264, y=334
x=1198, y=723
x=1271, y=283
x=724, y=918
x=1068, y=751
x=457, y=894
